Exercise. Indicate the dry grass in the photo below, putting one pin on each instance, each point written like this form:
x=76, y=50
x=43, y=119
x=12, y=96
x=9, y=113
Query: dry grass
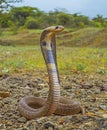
x=87, y=37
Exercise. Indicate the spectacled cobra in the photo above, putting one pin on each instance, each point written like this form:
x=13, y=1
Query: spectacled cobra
x=32, y=107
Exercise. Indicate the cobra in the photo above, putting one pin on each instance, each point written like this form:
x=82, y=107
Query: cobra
x=32, y=107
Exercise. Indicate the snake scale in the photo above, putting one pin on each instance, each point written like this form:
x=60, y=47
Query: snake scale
x=33, y=107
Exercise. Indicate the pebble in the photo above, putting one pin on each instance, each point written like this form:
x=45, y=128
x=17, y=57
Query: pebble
x=26, y=91
x=6, y=100
x=1, y=104
x=103, y=107
x=2, y=126
x=86, y=86
x=22, y=119
x=4, y=94
x=48, y=125
x=103, y=88
x=104, y=116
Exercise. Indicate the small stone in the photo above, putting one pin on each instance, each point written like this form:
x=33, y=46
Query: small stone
x=103, y=88
x=66, y=85
x=103, y=107
x=60, y=120
x=22, y=120
x=2, y=126
x=6, y=100
x=4, y=94
x=88, y=124
x=86, y=86
x=9, y=123
x=25, y=91
x=48, y=125
x=1, y=104
x=96, y=128
x=96, y=91
x=104, y=115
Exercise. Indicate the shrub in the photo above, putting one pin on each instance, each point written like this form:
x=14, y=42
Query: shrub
x=31, y=23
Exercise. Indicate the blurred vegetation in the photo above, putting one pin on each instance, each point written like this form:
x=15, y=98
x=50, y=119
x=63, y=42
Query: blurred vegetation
x=23, y=25
x=33, y=18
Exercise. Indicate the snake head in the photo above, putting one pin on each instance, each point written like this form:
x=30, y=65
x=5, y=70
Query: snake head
x=54, y=29
x=49, y=33
x=48, y=41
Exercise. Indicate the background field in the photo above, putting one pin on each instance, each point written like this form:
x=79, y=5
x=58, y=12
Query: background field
x=81, y=50
x=29, y=58
x=85, y=37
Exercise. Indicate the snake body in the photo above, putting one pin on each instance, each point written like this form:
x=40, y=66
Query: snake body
x=33, y=107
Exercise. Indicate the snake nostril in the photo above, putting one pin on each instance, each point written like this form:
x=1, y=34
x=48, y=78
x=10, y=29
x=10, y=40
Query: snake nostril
x=56, y=27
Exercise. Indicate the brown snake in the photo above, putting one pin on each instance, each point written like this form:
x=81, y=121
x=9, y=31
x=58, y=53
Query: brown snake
x=33, y=107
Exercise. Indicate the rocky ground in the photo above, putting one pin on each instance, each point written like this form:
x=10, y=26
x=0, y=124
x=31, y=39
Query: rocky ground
x=90, y=90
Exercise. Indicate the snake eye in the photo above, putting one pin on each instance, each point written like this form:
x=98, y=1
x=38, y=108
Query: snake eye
x=56, y=27
x=44, y=43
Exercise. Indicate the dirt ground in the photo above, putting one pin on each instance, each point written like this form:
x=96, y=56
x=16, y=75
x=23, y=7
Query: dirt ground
x=90, y=90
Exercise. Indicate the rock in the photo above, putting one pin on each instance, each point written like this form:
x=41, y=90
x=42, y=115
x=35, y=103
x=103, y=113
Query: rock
x=88, y=124
x=104, y=116
x=26, y=91
x=96, y=128
x=1, y=104
x=86, y=86
x=103, y=88
x=66, y=85
x=103, y=107
x=2, y=126
x=6, y=100
x=48, y=125
x=22, y=120
x=4, y=94
x=9, y=123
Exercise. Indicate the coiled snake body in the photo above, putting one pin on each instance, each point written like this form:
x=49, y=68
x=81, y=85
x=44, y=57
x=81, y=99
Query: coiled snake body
x=33, y=107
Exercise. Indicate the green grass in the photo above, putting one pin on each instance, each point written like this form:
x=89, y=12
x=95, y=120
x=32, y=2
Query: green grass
x=29, y=58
